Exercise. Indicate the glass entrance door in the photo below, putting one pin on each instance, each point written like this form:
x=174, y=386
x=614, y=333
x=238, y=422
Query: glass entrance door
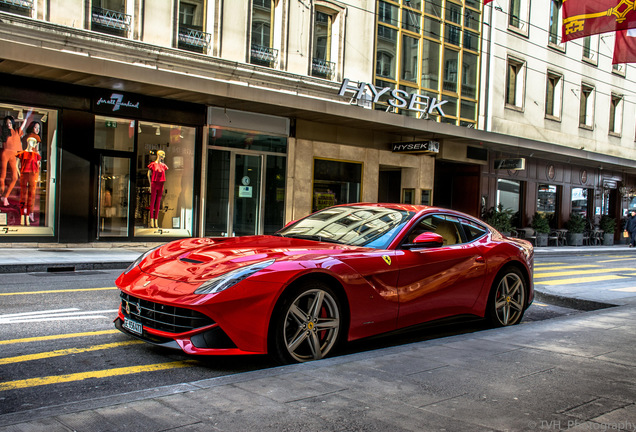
x=247, y=194
x=114, y=196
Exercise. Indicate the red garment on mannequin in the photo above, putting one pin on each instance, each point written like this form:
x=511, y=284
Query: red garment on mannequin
x=29, y=170
x=156, y=191
x=12, y=146
x=157, y=179
x=158, y=171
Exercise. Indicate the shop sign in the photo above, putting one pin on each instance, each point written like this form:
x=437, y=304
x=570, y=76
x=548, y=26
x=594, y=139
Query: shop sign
x=400, y=98
x=416, y=147
x=116, y=103
x=510, y=164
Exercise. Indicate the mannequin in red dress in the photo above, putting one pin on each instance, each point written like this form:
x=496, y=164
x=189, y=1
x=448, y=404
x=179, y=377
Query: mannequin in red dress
x=11, y=145
x=157, y=178
x=29, y=173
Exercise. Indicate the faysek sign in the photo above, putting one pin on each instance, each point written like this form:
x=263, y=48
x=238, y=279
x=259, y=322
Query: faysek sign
x=397, y=98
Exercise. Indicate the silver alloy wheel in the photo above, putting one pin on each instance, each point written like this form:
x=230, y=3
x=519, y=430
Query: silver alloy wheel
x=312, y=325
x=510, y=299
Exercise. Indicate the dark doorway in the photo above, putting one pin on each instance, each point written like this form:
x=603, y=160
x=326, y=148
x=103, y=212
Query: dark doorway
x=389, y=186
x=457, y=187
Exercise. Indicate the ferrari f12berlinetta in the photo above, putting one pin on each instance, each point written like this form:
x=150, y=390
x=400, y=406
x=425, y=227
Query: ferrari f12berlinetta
x=343, y=273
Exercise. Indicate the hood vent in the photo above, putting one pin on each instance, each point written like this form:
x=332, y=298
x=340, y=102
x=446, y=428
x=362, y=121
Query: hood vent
x=190, y=260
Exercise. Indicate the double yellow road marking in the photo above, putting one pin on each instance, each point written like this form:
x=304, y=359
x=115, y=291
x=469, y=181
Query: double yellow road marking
x=588, y=273
x=57, y=379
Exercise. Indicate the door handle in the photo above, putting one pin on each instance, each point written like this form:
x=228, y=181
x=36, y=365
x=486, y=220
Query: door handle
x=480, y=259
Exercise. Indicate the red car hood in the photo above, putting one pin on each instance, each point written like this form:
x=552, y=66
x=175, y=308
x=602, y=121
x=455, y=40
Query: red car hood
x=200, y=259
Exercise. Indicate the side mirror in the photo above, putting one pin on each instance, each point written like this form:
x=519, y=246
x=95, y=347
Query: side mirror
x=429, y=239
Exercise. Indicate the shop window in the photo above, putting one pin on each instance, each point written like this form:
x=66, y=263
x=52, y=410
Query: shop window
x=114, y=196
x=547, y=200
x=28, y=165
x=192, y=35
x=164, y=206
x=580, y=201
x=408, y=196
x=427, y=197
x=248, y=141
x=114, y=134
x=336, y=182
x=509, y=196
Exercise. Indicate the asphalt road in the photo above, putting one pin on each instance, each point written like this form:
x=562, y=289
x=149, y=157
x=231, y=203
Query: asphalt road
x=58, y=343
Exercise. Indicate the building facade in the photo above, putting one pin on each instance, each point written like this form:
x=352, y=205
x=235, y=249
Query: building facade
x=568, y=99
x=267, y=110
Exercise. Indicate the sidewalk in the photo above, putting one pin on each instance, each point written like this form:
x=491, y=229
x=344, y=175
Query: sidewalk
x=575, y=372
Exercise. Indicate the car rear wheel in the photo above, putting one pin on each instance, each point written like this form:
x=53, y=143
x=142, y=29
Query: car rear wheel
x=308, y=324
x=507, y=301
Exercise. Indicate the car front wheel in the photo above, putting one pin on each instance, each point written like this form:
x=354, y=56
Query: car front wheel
x=308, y=324
x=507, y=301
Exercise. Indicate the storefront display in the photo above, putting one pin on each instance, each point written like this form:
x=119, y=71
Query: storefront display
x=27, y=170
x=164, y=180
x=162, y=183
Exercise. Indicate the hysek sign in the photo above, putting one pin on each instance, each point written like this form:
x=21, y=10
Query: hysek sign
x=400, y=98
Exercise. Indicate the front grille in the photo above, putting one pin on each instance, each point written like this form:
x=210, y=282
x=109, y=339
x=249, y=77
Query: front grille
x=161, y=317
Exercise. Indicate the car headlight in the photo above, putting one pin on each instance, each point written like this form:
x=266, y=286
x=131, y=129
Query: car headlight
x=227, y=280
x=140, y=259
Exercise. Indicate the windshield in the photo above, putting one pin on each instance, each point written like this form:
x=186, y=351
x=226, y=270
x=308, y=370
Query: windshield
x=356, y=226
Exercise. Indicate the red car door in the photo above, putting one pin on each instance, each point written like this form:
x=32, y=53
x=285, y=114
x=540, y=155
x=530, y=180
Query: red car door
x=437, y=282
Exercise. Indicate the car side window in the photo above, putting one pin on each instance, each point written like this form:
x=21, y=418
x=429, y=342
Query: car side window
x=446, y=226
x=472, y=230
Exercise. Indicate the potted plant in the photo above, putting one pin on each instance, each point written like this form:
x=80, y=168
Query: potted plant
x=541, y=226
x=608, y=225
x=575, y=227
x=500, y=219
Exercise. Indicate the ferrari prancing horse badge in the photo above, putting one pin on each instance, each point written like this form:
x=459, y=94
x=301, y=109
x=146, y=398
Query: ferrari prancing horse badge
x=387, y=259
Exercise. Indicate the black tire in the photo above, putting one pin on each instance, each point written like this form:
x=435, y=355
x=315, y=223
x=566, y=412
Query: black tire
x=307, y=324
x=507, y=299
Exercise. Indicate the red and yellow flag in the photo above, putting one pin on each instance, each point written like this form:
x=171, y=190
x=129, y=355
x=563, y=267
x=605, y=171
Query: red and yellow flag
x=587, y=17
x=625, y=47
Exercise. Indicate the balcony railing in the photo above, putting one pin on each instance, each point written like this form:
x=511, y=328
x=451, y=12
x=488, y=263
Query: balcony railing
x=117, y=22
x=322, y=68
x=21, y=7
x=194, y=40
x=263, y=55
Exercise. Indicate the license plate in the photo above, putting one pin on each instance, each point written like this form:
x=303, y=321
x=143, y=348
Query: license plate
x=133, y=326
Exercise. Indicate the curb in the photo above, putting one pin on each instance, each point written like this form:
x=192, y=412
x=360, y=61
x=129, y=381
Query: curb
x=62, y=267
x=570, y=302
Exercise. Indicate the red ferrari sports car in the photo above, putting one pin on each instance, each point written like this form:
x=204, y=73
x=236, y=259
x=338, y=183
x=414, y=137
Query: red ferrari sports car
x=340, y=274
